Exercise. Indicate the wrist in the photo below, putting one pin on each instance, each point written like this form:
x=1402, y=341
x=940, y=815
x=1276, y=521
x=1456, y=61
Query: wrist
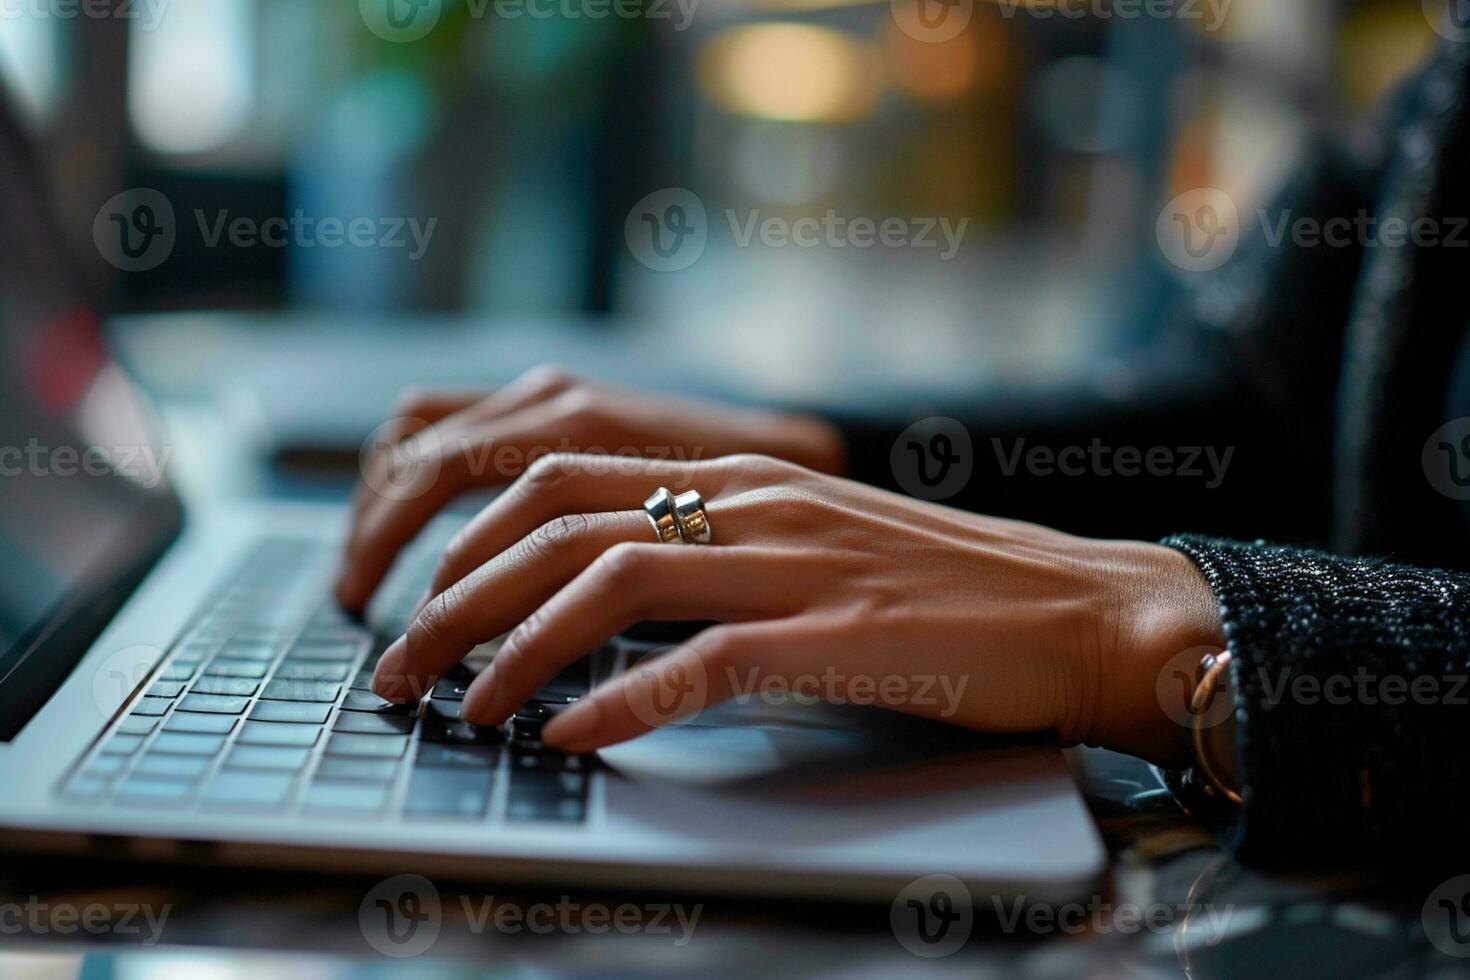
x=1168, y=620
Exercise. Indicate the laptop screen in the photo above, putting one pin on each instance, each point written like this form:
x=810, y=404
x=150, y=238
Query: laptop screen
x=85, y=504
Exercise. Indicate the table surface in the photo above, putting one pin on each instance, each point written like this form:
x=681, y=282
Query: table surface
x=1174, y=904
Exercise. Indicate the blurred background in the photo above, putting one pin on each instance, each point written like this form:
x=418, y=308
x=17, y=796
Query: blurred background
x=1058, y=129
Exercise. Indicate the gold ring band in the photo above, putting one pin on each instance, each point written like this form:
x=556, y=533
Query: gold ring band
x=693, y=522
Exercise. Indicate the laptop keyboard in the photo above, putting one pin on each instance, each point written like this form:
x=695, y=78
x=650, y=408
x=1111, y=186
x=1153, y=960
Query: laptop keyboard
x=265, y=707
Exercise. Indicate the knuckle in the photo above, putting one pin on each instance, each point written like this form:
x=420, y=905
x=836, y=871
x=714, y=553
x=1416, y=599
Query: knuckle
x=557, y=533
x=547, y=472
x=620, y=563
x=579, y=404
x=549, y=379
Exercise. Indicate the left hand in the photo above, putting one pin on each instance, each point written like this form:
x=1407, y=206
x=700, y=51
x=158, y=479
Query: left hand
x=810, y=576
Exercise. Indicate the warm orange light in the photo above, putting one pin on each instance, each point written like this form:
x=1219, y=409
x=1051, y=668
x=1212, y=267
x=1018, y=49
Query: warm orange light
x=793, y=72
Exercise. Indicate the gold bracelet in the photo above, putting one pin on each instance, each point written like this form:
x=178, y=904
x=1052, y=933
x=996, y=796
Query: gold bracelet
x=1214, y=681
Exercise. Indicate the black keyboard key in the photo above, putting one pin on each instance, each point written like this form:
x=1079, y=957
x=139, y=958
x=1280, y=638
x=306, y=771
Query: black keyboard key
x=450, y=689
x=297, y=670
x=339, y=797
x=187, y=743
x=202, y=724
x=137, y=725
x=444, y=710
x=237, y=668
x=178, y=671
x=362, y=680
x=122, y=745
x=237, y=789
x=295, y=712
x=239, y=687
x=363, y=770
x=362, y=723
x=368, y=701
x=438, y=756
x=141, y=790
x=255, y=652
x=166, y=689
x=368, y=746
x=463, y=793
x=265, y=733
x=315, y=650
x=152, y=707
x=443, y=731
x=86, y=789
x=295, y=690
x=276, y=757
x=213, y=704
x=163, y=766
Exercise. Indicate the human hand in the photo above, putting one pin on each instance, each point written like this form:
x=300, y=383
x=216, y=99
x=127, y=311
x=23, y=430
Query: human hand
x=452, y=442
x=1020, y=627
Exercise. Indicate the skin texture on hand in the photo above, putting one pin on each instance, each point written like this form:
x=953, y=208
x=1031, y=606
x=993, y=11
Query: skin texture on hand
x=452, y=442
x=812, y=578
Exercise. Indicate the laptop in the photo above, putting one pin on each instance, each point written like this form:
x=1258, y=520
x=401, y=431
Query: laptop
x=176, y=683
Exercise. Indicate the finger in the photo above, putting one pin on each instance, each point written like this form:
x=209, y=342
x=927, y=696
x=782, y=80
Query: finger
x=558, y=485
x=680, y=683
x=414, y=411
x=497, y=597
x=630, y=584
x=448, y=466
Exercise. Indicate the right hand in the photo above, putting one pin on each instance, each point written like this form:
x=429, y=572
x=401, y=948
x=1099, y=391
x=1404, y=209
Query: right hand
x=452, y=442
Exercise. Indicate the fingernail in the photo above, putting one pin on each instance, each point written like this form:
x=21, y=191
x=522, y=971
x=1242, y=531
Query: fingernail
x=479, y=700
x=573, y=727
x=388, y=678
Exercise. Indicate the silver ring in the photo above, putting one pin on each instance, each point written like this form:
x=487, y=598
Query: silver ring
x=660, y=510
x=693, y=521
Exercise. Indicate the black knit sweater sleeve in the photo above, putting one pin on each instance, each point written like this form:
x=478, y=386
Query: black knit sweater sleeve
x=1352, y=703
